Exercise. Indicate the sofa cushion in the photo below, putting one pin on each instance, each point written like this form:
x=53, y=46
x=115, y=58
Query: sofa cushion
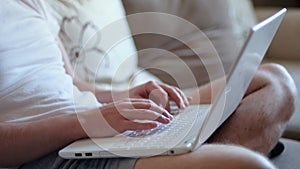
x=98, y=40
x=221, y=20
x=289, y=159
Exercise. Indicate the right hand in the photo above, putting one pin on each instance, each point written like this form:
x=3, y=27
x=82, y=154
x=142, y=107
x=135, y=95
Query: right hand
x=158, y=92
x=127, y=114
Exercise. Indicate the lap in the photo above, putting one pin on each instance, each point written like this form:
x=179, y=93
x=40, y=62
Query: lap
x=207, y=156
x=53, y=161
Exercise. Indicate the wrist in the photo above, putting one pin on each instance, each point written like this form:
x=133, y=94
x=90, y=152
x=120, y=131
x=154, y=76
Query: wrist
x=103, y=96
x=76, y=128
x=109, y=96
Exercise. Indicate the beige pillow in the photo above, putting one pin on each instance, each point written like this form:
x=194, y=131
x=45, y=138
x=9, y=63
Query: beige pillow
x=225, y=23
x=98, y=40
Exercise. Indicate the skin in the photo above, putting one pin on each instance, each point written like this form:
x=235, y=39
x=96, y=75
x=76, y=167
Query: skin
x=263, y=114
x=209, y=157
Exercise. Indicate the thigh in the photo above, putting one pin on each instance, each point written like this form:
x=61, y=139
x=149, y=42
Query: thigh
x=53, y=161
x=208, y=157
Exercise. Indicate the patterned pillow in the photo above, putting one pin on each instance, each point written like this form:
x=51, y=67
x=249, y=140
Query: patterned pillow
x=97, y=38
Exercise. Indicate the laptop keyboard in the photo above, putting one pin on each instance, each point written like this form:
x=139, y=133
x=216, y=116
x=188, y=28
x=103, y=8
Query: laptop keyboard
x=178, y=128
x=142, y=133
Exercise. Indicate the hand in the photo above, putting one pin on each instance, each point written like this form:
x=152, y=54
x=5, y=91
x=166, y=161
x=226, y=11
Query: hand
x=127, y=114
x=160, y=93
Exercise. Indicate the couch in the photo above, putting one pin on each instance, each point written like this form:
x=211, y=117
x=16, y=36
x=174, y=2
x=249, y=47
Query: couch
x=237, y=18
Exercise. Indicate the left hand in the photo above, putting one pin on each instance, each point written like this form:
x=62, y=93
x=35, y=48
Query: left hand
x=160, y=93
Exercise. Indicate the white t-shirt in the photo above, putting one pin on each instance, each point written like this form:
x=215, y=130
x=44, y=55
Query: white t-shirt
x=33, y=82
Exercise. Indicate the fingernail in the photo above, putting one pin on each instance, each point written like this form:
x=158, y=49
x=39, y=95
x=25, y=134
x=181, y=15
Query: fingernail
x=187, y=103
x=171, y=117
x=153, y=125
x=182, y=106
x=166, y=120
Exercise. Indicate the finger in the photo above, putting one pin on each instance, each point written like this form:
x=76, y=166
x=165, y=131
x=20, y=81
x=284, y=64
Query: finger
x=140, y=104
x=143, y=104
x=134, y=104
x=137, y=100
x=133, y=100
x=174, y=95
x=185, y=99
x=131, y=125
x=161, y=111
x=168, y=107
x=148, y=104
x=157, y=94
x=145, y=115
x=148, y=115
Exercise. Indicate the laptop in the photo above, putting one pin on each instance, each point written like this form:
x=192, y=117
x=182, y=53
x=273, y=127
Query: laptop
x=193, y=126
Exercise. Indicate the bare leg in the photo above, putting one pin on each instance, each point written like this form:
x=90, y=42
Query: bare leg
x=208, y=157
x=262, y=116
x=257, y=124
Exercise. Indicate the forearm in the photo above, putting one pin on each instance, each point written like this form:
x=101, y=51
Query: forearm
x=24, y=142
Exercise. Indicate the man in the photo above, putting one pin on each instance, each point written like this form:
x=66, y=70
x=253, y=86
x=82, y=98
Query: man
x=38, y=113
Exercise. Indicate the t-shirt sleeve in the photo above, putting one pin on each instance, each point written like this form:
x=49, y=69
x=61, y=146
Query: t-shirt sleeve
x=46, y=12
x=51, y=18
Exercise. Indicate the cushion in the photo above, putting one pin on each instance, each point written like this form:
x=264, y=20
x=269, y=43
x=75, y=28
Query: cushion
x=223, y=22
x=97, y=38
x=289, y=159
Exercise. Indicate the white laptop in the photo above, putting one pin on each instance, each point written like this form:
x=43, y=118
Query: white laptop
x=193, y=126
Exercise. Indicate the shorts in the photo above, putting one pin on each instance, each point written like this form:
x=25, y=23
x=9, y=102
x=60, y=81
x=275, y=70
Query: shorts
x=53, y=161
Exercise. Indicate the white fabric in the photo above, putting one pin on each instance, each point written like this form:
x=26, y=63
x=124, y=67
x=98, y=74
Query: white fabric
x=97, y=38
x=33, y=82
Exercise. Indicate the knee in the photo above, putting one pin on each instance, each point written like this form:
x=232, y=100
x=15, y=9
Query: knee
x=275, y=73
x=235, y=157
x=278, y=77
